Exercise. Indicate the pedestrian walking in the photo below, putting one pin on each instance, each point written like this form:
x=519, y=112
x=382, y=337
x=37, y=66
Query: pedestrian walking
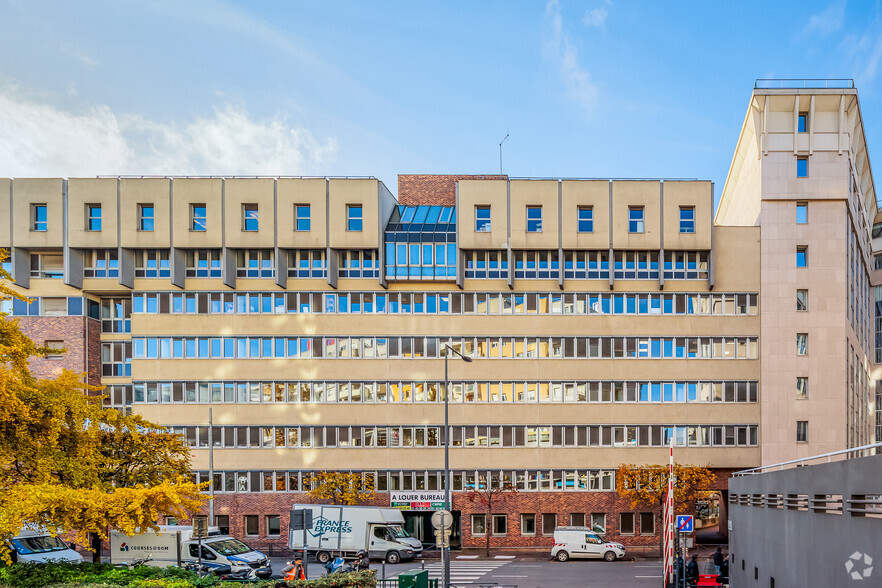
x=718, y=559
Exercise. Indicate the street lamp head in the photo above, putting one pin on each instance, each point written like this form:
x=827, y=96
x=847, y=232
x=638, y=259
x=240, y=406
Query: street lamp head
x=466, y=358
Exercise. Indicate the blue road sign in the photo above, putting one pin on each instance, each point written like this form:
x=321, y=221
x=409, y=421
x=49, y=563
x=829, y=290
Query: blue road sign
x=684, y=523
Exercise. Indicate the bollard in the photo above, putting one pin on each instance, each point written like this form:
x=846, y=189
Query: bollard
x=384, y=569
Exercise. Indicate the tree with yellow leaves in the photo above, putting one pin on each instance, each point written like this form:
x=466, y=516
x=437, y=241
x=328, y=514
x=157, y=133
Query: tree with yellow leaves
x=69, y=465
x=647, y=485
x=341, y=487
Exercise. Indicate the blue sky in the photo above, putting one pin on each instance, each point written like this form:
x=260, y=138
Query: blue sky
x=585, y=89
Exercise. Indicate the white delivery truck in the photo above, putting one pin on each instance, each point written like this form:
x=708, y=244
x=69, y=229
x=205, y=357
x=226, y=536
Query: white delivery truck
x=174, y=543
x=36, y=545
x=342, y=531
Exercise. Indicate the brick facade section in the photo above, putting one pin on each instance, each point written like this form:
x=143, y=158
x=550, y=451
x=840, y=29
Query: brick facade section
x=432, y=189
x=81, y=336
x=562, y=504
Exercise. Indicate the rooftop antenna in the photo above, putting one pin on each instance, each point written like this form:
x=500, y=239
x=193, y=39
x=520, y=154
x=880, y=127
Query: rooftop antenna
x=500, y=151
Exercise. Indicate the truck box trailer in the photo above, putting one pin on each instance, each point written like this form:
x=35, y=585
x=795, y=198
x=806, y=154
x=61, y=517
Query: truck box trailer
x=342, y=531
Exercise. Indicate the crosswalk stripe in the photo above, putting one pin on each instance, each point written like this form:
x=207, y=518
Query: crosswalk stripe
x=461, y=571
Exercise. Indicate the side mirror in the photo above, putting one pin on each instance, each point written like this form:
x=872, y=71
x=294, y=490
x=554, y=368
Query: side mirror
x=73, y=546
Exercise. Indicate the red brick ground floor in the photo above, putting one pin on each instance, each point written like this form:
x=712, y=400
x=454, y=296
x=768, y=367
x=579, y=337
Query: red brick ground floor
x=522, y=520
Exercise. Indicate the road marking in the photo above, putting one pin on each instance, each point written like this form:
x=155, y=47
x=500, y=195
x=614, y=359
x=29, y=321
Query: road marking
x=500, y=576
x=524, y=566
x=466, y=557
x=503, y=557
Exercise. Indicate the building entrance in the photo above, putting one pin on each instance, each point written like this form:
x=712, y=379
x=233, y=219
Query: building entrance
x=418, y=523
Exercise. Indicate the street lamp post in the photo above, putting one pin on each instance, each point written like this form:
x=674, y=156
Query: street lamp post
x=447, y=504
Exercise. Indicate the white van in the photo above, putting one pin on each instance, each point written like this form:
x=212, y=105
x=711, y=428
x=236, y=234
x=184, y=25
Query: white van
x=582, y=542
x=35, y=545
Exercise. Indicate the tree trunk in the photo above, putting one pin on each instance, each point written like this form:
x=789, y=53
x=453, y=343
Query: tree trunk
x=95, y=544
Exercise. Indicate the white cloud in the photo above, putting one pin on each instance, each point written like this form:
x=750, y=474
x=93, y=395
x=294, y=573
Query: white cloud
x=827, y=21
x=43, y=140
x=559, y=50
x=80, y=56
x=595, y=17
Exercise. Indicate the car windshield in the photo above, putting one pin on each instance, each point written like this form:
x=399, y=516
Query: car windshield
x=229, y=547
x=26, y=545
x=397, y=531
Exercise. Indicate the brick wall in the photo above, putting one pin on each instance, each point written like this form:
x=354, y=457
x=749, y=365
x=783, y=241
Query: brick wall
x=81, y=337
x=562, y=504
x=432, y=189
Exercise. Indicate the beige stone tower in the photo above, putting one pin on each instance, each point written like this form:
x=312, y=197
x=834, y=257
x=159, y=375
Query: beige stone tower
x=801, y=173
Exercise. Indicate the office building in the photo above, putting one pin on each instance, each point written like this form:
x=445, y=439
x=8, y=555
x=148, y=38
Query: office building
x=605, y=317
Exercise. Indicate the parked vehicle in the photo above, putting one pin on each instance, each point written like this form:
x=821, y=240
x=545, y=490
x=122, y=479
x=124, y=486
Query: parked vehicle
x=342, y=531
x=174, y=543
x=582, y=542
x=35, y=545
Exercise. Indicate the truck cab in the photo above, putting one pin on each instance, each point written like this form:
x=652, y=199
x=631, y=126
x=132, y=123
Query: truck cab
x=389, y=537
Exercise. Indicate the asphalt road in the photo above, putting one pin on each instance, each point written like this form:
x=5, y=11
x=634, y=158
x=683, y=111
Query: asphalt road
x=527, y=573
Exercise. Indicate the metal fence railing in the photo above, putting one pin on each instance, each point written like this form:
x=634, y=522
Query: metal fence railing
x=793, y=84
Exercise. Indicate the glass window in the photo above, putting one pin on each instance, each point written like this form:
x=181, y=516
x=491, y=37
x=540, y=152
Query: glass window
x=586, y=219
x=57, y=349
x=479, y=524
x=802, y=388
x=802, y=256
x=93, y=217
x=198, y=218
x=647, y=523
x=500, y=524
x=687, y=219
x=801, y=213
x=252, y=525
x=626, y=523
x=635, y=219
x=802, y=123
x=273, y=525
x=801, y=343
x=145, y=217
x=249, y=217
x=801, y=167
x=482, y=219
x=802, y=300
x=801, y=431
x=301, y=217
x=528, y=524
x=354, y=217
x=39, y=218
x=534, y=219
x=549, y=523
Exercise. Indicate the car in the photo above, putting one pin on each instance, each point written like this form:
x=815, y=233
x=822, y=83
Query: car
x=583, y=542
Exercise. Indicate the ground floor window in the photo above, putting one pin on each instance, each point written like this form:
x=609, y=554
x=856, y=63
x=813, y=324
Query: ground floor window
x=500, y=524
x=222, y=522
x=577, y=519
x=273, y=525
x=626, y=523
x=479, y=524
x=528, y=524
x=252, y=525
x=647, y=523
x=549, y=523
x=598, y=522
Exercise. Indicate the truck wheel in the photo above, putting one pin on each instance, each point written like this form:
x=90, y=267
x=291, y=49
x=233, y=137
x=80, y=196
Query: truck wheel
x=609, y=556
x=323, y=557
x=562, y=555
x=393, y=557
